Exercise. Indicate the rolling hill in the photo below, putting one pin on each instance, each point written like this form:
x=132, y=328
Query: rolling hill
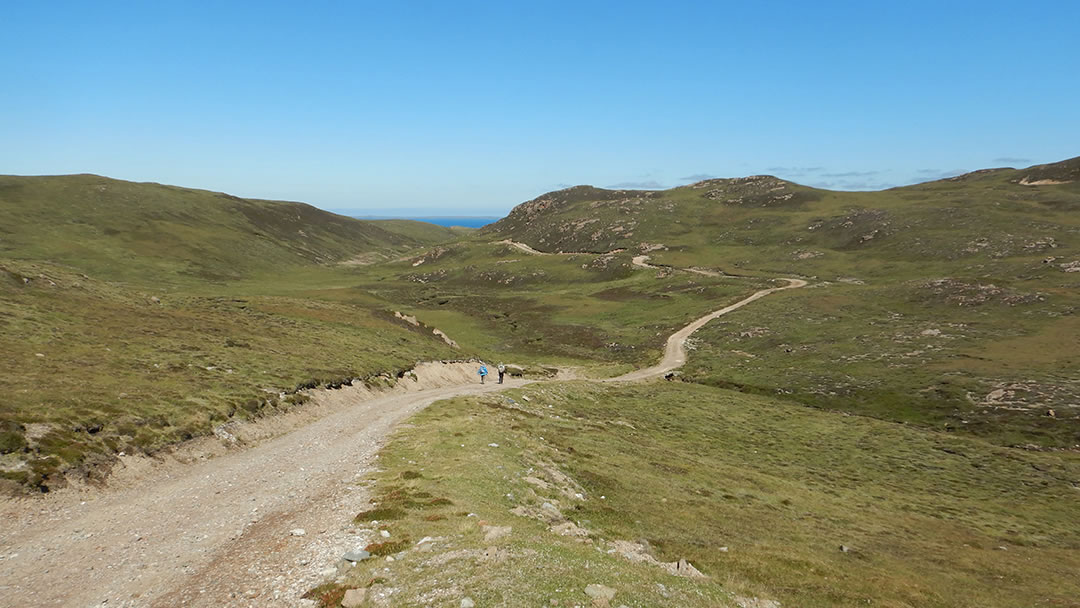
x=1003, y=213
x=950, y=303
x=136, y=316
x=145, y=231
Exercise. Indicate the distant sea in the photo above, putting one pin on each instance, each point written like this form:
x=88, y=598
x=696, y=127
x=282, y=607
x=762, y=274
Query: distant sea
x=467, y=221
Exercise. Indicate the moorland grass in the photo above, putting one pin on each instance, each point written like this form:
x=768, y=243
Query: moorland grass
x=100, y=368
x=768, y=499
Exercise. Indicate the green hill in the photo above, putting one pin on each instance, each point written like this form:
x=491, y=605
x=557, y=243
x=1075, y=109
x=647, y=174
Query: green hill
x=152, y=232
x=992, y=212
x=135, y=316
x=423, y=231
x=950, y=303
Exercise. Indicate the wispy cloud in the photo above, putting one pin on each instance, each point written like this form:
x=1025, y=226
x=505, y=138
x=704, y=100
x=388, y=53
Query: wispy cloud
x=643, y=185
x=850, y=174
x=933, y=174
x=697, y=177
x=794, y=171
x=852, y=185
x=1012, y=160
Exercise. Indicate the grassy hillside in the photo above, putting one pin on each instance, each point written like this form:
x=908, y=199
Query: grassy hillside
x=151, y=232
x=762, y=219
x=584, y=310
x=134, y=316
x=421, y=231
x=951, y=303
x=568, y=485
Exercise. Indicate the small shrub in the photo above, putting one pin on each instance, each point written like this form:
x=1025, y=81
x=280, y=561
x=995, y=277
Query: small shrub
x=297, y=399
x=327, y=594
x=379, y=514
x=387, y=548
x=11, y=441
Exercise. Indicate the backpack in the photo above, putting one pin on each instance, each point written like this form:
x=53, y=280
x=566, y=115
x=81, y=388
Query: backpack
x=482, y=371
x=502, y=368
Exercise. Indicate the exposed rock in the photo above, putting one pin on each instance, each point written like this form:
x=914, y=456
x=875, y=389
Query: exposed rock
x=354, y=598
x=753, y=602
x=297, y=532
x=221, y=432
x=569, y=528
x=685, y=568
x=445, y=338
x=600, y=592
x=639, y=553
x=536, y=482
x=551, y=512
x=495, y=532
x=467, y=602
x=407, y=318
x=356, y=556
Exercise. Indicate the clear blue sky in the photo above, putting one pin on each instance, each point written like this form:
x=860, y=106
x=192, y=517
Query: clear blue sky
x=472, y=107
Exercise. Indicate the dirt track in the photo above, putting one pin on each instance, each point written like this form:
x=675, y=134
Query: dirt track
x=219, y=531
x=216, y=532
x=675, y=351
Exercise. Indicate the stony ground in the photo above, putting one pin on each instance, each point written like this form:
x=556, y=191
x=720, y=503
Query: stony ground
x=251, y=527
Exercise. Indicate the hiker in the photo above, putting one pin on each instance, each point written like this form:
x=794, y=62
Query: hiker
x=502, y=372
x=483, y=372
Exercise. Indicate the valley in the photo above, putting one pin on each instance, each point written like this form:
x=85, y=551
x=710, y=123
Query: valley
x=861, y=397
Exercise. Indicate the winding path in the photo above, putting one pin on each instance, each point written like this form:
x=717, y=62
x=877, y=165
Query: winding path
x=675, y=350
x=251, y=527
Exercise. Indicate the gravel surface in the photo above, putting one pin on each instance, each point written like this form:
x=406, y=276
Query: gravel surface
x=216, y=531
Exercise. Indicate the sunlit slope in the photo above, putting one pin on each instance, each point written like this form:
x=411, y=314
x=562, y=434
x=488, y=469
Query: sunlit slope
x=951, y=304
x=126, y=230
x=991, y=216
x=135, y=316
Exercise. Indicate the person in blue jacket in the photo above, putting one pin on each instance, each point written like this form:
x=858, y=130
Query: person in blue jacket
x=482, y=371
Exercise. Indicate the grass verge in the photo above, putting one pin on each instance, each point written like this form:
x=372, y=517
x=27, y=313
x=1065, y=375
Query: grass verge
x=551, y=488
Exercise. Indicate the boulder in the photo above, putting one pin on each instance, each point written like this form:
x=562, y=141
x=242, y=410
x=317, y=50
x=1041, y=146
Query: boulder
x=354, y=598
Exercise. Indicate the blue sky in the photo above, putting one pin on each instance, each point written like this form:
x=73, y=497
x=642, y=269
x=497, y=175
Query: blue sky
x=468, y=108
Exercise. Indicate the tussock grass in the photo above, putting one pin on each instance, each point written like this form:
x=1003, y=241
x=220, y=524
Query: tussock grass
x=100, y=368
x=928, y=518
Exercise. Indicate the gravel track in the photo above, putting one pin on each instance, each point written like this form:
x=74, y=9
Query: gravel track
x=216, y=532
